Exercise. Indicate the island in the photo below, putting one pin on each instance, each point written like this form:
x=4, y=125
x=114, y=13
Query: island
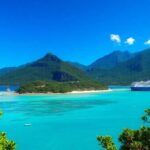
x=50, y=74
x=60, y=87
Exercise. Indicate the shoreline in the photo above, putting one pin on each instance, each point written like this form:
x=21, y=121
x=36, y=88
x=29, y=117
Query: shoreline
x=50, y=93
x=89, y=91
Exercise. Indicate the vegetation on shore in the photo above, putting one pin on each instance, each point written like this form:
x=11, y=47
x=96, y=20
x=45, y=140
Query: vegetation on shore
x=59, y=87
x=130, y=139
x=6, y=144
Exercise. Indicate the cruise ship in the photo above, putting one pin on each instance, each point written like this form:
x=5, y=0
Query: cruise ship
x=141, y=86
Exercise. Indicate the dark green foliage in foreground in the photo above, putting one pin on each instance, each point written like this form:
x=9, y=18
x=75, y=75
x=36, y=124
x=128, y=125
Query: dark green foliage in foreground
x=59, y=87
x=106, y=142
x=130, y=139
x=6, y=144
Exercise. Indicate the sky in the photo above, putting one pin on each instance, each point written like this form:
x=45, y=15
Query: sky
x=74, y=30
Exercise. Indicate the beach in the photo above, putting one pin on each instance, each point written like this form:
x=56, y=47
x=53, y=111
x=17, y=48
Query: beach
x=50, y=93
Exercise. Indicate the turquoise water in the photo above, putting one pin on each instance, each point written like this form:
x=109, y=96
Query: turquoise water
x=70, y=122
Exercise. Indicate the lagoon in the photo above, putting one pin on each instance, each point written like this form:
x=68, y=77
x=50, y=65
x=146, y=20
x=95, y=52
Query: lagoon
x=70, y=121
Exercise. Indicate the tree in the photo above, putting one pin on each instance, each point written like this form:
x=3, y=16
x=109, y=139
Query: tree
x=6, y=144
x=130, y=139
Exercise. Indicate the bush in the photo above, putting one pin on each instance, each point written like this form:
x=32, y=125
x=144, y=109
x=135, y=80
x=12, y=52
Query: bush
x=130, y=139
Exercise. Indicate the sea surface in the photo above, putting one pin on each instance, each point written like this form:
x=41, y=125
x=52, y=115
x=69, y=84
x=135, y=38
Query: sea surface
x=70, y=122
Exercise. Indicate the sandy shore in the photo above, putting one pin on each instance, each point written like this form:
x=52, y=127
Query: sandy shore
x=49, y=93
x=90, y=91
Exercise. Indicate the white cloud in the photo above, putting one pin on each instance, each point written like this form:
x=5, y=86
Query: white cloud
x=147, y=42
x=115, y=38
x=130, y=41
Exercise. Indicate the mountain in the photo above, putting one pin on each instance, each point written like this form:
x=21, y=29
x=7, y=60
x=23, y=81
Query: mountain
x=118, y=68
x=6, y=70
x=134, y=69
x=78, y=65
x=111, y=60
x=50, y=68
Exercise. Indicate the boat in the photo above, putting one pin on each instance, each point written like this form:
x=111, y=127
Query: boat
x=27, y=124
x=141, y=86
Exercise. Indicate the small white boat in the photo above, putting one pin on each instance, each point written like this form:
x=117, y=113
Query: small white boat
x=27, y=124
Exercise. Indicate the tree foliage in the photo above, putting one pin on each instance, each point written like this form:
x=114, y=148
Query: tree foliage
x=130, y=139
x=59, y=87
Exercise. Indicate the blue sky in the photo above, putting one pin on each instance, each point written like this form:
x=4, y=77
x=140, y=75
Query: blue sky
x=75, y=30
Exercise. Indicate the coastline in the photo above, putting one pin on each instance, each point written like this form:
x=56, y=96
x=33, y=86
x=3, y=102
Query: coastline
x=89, y=91
x=50, y=93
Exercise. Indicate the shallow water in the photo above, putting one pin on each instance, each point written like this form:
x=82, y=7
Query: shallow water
x=70, y=122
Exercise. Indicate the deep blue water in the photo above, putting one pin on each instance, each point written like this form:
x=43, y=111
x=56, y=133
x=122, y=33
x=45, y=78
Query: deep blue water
x=70, y=122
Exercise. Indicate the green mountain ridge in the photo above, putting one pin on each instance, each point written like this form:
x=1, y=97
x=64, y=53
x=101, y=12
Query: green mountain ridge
x=135, y=69
x=49, y=68
x=78, y=65
x=7, y=70
x=118, y=68
x=111, y=60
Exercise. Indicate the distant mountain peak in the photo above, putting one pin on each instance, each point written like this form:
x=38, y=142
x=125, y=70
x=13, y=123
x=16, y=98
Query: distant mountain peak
x=119, y=52
x=48, y=68
x=116, y=51
x=111, y=60
x=136, y=68
x=50, y=57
